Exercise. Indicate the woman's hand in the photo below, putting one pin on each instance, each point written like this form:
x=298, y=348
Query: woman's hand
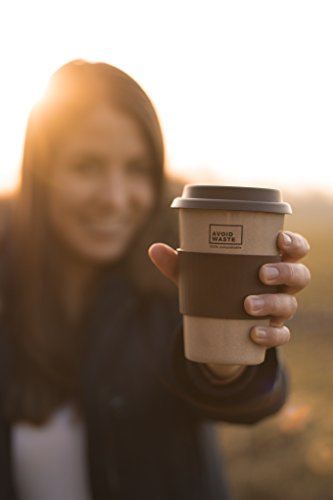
x=165, y=259
x=289, y=273
x=294, y=276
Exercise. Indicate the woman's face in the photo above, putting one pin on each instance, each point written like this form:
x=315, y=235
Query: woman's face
x=101, y=189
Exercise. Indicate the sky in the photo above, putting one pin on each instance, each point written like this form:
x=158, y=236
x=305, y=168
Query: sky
x=243, y=88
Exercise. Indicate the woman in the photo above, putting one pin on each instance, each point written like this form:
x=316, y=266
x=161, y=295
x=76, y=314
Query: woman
x=97, y=399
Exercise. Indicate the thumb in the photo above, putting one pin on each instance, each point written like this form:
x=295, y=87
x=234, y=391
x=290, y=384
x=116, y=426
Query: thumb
x=165, y=259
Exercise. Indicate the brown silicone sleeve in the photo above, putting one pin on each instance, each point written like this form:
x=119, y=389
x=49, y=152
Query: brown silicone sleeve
x=215, y=285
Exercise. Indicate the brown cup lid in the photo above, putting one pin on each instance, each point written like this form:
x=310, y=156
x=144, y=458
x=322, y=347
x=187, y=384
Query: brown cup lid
x=215, y=197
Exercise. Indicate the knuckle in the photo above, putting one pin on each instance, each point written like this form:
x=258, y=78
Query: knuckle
x=301, y=245
x=298, y=240
x=275, y=336
x=283, y=305
x=293, y=305
x=306, y=274
x=295, y=274
x=278, y=335
x=285, y=335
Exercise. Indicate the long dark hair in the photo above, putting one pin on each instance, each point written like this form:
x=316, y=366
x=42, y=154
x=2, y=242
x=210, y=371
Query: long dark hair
x=44, y=355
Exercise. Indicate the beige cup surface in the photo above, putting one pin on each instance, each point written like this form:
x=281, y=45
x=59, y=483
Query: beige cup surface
x=257, y=231
x=215, y=340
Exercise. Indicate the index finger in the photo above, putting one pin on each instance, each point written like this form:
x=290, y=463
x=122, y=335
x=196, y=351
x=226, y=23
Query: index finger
x=292, y=246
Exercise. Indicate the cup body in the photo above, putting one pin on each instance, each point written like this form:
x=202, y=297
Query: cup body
x=224, y=239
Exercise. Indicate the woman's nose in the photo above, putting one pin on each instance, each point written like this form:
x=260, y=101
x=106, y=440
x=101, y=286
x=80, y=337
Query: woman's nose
x=113, y=189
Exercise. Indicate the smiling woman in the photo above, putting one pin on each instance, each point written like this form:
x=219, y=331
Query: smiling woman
x=101, y=189
x=91, y=343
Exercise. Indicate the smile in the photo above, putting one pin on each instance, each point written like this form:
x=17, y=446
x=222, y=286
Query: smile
x=107, y=226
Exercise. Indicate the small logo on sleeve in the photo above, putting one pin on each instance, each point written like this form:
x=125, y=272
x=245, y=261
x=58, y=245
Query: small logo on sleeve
x=225, y=235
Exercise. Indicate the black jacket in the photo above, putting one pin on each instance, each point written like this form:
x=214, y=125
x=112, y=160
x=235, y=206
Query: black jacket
x=148, y=411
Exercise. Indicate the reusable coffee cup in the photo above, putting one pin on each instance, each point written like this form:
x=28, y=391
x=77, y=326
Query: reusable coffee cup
x=226, y=234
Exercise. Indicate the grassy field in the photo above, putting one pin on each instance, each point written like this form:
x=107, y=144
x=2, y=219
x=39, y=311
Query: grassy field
x=290, y=456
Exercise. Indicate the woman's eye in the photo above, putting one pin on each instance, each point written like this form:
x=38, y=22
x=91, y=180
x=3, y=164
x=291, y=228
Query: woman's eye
x=88, y=167
x=138, y=168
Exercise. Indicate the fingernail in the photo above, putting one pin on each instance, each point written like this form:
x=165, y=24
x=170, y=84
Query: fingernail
x=287, y=240
x=256, y=303
x=270, y=272
x=260, y=334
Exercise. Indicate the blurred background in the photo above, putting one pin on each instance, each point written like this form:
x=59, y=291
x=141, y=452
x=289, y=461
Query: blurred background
x=244, y=93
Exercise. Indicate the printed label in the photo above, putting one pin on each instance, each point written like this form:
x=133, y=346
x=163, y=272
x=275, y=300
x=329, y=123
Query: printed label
x=223, y=235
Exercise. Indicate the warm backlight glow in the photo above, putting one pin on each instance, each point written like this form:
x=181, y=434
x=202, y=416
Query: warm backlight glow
x=16, y=110
x=243, y=89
